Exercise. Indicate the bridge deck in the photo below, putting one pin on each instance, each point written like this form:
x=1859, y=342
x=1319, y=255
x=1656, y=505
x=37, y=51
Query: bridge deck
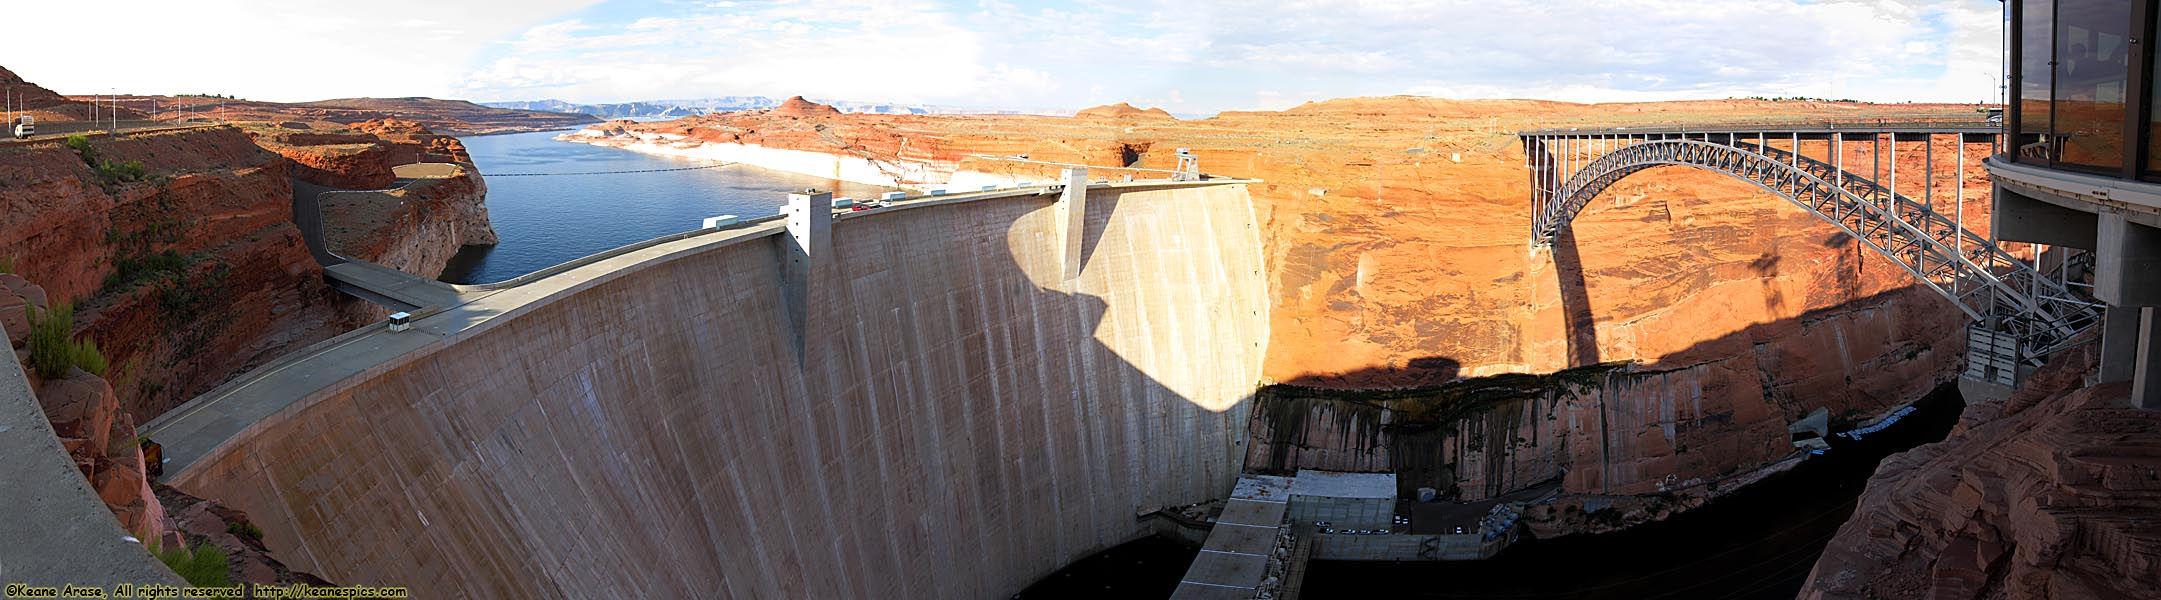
x=412, y=291
x=1859, y=127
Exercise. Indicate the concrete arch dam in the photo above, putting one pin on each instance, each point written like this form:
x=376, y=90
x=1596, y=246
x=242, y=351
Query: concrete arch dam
x=947, y=398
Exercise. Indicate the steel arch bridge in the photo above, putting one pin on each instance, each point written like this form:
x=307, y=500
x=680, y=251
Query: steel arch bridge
x=2021, y=313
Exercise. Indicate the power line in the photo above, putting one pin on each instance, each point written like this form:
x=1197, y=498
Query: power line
x=711, y=166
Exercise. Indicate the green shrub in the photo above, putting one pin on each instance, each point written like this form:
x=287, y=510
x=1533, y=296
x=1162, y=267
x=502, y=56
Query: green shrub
x=7, y=264
x=89, y=358
x=110, y=173
x=81, y=144
x=130, y=270
x=52, y=349
x=203, y=566
x=245, y=530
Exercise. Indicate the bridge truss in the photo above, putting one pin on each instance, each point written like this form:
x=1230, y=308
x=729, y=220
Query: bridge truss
x=2024, y=308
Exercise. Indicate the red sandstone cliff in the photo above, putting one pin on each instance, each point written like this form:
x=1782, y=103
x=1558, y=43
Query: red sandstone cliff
x=188, y=274
x=443, y=116
x=796, y=106
x=392, y=192
x=87, y=417
x=100, y=435
x=2053, y=494
x=191, y=271
x=1121, y=111
x=414, y=228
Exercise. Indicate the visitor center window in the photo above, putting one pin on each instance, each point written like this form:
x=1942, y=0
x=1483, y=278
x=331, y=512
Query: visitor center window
x=2092, y=77
x=2075, y=92
x=2037, y=23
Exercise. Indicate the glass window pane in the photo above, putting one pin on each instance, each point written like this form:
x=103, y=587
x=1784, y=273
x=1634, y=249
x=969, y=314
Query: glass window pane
x=2092, y=71
x=2153, y=126
x=2036, y=76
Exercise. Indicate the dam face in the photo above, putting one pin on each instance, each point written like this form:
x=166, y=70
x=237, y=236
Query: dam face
x=959, y=420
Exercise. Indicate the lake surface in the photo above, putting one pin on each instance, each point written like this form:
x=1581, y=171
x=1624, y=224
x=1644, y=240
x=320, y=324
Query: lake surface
x=547, y=220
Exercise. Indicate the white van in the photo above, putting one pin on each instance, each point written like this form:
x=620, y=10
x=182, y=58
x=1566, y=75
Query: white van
x=25, y=126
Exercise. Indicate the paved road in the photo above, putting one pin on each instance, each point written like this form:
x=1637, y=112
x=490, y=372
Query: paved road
x=48, y=130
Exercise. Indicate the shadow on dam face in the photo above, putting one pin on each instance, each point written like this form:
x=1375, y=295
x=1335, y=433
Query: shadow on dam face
x=961, y=422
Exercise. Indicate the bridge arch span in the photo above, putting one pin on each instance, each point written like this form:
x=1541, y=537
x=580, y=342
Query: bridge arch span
x=2006, y=295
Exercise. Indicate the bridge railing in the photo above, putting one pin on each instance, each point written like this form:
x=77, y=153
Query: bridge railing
x=1886, y=123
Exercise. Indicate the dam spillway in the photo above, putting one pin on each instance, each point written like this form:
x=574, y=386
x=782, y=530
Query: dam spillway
x=952, y=418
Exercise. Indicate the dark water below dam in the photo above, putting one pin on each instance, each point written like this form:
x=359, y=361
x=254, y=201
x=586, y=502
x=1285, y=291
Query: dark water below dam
x=1757, y=543
x=547, y=220
x=1149, y=567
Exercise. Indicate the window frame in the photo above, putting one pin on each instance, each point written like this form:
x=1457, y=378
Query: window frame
x=2139, y=102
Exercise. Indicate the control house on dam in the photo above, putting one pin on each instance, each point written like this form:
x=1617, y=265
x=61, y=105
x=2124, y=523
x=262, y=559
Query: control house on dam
x=2082, y=170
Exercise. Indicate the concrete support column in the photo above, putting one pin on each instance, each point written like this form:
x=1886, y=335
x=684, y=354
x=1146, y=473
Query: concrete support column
x=2127, y=263
x=2146, y=375
x=2120, y=328
x=1072, y=225
x=810, y=226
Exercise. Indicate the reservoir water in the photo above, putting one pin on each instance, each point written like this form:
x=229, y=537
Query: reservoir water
x=546, y=220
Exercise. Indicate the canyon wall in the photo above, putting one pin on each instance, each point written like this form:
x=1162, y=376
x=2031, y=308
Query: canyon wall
x=959, y=419
x=184, y=273
x=1668, y=435
x=415, y=228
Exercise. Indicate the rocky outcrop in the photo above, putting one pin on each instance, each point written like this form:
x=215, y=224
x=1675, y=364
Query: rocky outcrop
x=1121, y=111
x=27, y=95
x=412, y=142
x=17, y=298
x=99, y=434
x=87, y=417
x=101, y=437
x=2051, y=494
x=796, y=106
x=360, y=157
x=416, y=228
x=198, y=521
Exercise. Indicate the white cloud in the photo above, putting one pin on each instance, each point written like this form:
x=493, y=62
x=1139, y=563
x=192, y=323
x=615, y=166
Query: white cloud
x=292, y=50
x=1201, y=54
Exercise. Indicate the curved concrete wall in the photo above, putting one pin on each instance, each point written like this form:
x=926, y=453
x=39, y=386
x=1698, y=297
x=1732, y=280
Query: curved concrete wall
x=960, y=423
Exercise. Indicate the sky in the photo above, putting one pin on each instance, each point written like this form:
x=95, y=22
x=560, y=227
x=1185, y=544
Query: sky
x=1189, y=56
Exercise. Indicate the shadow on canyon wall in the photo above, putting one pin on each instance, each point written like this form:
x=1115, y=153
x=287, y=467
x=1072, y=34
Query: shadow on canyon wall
x=1305, y=426
x=1575, y=300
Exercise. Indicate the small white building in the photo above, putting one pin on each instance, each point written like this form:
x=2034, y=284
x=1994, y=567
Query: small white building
x=1345, y=501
